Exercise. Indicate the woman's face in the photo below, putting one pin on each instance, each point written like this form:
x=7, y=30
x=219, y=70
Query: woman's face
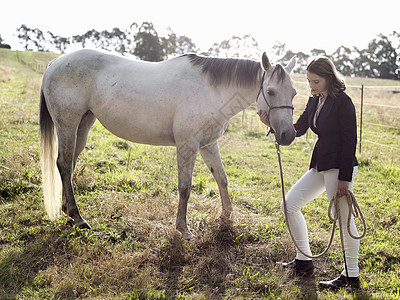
x=317, y=83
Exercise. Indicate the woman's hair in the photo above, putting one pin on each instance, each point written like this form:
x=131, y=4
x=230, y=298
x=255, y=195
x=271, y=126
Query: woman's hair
x=323, y=66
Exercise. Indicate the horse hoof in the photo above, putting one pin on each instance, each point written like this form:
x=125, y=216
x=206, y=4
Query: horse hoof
x=226, y=219
x=186, y=234
x=84, y=226
x=70, y=222
x=226, y=213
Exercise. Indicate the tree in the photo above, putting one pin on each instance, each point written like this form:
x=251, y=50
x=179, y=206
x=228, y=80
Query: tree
x=80, y=39
x=185, y=45
x=32, y=39
x=23, y=35
x=302, y=62
x=176, y=44
x=169, y=43
x=148, y=46
x=4, y=46
x=395, y=37
x=383, y=58
x=342, y=59
x=90, y=38
x=279, y=49
x=362, y=63
x=59, y=42
x=318, y=52
x=237, y=46
x=118, y=41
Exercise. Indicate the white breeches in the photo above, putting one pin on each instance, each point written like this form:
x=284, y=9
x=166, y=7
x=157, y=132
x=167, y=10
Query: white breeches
x=310, y=186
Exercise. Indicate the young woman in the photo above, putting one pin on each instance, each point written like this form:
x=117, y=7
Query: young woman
x=329, y=113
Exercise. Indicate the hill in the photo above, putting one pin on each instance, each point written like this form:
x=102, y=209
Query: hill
x=128, y=193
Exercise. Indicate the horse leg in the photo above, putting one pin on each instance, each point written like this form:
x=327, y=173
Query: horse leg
x=85, y=125
x=186, y=157
x=212, y=158
x=65, y=164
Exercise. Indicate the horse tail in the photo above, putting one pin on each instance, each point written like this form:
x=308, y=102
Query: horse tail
x=51, y=179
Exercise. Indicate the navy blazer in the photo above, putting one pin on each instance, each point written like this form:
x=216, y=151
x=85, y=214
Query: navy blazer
x=337, y=134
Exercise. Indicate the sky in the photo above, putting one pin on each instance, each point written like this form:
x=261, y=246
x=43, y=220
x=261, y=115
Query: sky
x=301, y=24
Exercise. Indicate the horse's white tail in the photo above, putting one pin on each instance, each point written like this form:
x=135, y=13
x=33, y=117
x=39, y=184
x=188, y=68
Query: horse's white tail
x=51, y=179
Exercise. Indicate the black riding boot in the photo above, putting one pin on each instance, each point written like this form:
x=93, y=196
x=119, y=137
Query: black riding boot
x=340, y=282
x=301, y=268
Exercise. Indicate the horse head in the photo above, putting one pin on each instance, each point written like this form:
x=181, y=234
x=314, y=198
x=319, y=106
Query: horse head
x=276, y=98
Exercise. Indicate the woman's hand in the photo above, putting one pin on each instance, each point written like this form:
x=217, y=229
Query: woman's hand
x=263, y=117
x=343, y=188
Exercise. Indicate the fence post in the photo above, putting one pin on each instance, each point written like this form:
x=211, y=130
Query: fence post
x=361, y=115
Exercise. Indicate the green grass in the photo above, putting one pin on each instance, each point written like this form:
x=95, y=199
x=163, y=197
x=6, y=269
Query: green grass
x=128, y=193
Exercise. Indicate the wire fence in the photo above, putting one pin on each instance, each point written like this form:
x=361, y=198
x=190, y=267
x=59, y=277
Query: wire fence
x=377, y=115
x=39, y=67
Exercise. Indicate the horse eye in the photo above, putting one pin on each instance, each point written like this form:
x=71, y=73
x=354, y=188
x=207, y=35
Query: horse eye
x=270, y=93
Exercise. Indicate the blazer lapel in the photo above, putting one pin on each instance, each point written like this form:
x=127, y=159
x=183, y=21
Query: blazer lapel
x=313, y=108
x=323, y=114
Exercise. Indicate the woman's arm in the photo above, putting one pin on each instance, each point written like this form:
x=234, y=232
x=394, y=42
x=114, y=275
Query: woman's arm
x=348, y=133
x=302, y=124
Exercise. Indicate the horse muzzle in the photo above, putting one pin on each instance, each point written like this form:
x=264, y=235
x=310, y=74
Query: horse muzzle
x=285, y=137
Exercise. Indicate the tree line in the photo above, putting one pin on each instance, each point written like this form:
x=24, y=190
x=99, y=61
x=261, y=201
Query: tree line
x=381, y=59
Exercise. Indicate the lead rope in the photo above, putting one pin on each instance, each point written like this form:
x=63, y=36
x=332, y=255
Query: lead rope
x=351, y=200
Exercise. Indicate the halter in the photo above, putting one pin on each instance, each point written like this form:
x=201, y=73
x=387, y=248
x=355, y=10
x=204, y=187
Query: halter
x=271, y=107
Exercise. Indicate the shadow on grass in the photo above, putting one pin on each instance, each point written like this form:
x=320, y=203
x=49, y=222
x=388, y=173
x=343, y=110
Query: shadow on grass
x=199, y=264
x=19, y=267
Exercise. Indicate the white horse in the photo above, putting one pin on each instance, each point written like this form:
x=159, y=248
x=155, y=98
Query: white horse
x=184, y=102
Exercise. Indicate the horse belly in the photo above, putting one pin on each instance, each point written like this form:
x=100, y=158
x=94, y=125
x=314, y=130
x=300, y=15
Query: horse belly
x=137, y=128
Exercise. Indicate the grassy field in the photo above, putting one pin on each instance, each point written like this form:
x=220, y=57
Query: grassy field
x=128, y=193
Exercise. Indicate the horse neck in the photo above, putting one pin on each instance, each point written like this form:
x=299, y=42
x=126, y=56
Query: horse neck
x=237, y=99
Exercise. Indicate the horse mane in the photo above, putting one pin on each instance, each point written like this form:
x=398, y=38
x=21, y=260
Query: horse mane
x=242, y=72
x=280, y=72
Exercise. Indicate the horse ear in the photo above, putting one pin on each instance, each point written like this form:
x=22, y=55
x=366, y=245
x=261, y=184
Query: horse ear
x=265, y=62
x=291, y=64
